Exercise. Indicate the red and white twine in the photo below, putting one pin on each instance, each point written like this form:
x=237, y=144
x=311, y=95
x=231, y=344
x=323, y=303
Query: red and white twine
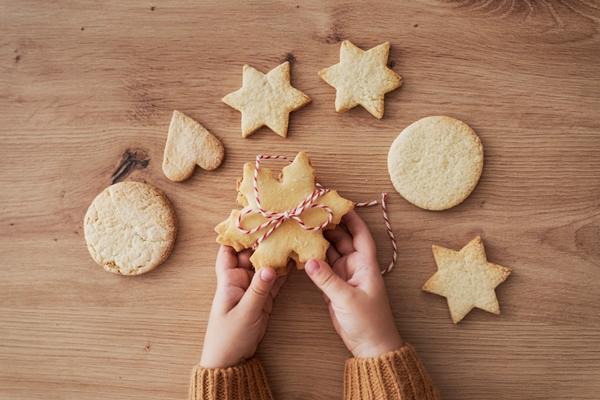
x=275, y=219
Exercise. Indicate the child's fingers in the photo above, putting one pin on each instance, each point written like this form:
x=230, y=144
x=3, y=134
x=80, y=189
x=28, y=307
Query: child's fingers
x=259, y=291
x=226, y=259
x=332, y=255
x=362, y=239
x=334, y=287
x=341, y=239
x=244, y=259
x=281, y=280
x=342, y=269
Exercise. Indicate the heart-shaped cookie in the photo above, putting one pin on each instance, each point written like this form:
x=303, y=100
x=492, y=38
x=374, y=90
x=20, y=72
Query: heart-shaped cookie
x=190, y=144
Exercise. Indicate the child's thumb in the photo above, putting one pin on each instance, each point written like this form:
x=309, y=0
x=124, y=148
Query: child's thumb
x=260, y=289
x=331, y=284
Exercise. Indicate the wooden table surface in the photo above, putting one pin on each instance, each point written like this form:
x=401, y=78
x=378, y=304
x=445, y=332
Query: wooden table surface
x=88, y=89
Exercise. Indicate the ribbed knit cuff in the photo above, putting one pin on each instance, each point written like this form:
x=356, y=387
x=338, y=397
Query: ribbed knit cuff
x=398, y=375
x=246, y=381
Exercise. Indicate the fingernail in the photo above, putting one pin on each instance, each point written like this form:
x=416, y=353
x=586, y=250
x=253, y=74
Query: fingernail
x=312, y=267
x=267, y=274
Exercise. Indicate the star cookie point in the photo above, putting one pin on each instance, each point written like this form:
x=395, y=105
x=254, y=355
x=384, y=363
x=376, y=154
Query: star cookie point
x=266, y=99
x=466, y=279
x=361, y=78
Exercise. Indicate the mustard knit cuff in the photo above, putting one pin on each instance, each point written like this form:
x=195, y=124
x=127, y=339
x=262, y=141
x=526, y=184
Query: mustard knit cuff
x=246, y=381
x=398, y=375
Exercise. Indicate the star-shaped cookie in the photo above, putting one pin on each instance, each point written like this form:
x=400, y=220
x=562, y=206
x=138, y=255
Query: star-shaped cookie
x=361, y=77
x=266, y=100
x=466, y=279
x=296, y=182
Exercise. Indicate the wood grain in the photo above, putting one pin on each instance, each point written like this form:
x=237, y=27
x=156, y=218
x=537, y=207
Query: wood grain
x=86, y=94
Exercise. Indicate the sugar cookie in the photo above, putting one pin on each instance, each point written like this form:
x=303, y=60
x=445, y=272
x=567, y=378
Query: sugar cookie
x=190, y=144
x=266, y=100
x=289, y=240
x=130, y=228
x=361, y=78
x=436, y=162
x=466, y=279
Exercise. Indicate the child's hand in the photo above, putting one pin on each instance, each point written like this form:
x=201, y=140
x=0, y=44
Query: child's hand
x=240, y=309
x=355, y=291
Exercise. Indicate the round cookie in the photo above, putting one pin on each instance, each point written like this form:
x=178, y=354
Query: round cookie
x=436, y=162
x=130, y=228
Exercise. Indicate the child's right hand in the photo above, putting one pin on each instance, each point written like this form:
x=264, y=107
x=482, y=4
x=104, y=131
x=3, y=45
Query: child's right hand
x=354, y=290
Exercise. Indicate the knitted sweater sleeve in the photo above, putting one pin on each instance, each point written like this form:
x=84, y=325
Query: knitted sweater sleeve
x=246, y=381
x=398, y=375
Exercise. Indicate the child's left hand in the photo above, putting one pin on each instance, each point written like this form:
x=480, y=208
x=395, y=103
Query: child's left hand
x=240, y=309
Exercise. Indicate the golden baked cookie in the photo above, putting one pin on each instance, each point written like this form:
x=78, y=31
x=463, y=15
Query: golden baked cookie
x=266, y=100
x=290, y=240
x=436, y=162
x=362, y=78
x=130, y=228
x=190, y=144
x=467, y=279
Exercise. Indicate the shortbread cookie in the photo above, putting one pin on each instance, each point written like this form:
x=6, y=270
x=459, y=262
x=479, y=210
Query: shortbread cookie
x=130, y=228
x=266, y=100
x=290, y=240
x=466, y=279
x=361, y=77
x=436, y=162
x=190, y=144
